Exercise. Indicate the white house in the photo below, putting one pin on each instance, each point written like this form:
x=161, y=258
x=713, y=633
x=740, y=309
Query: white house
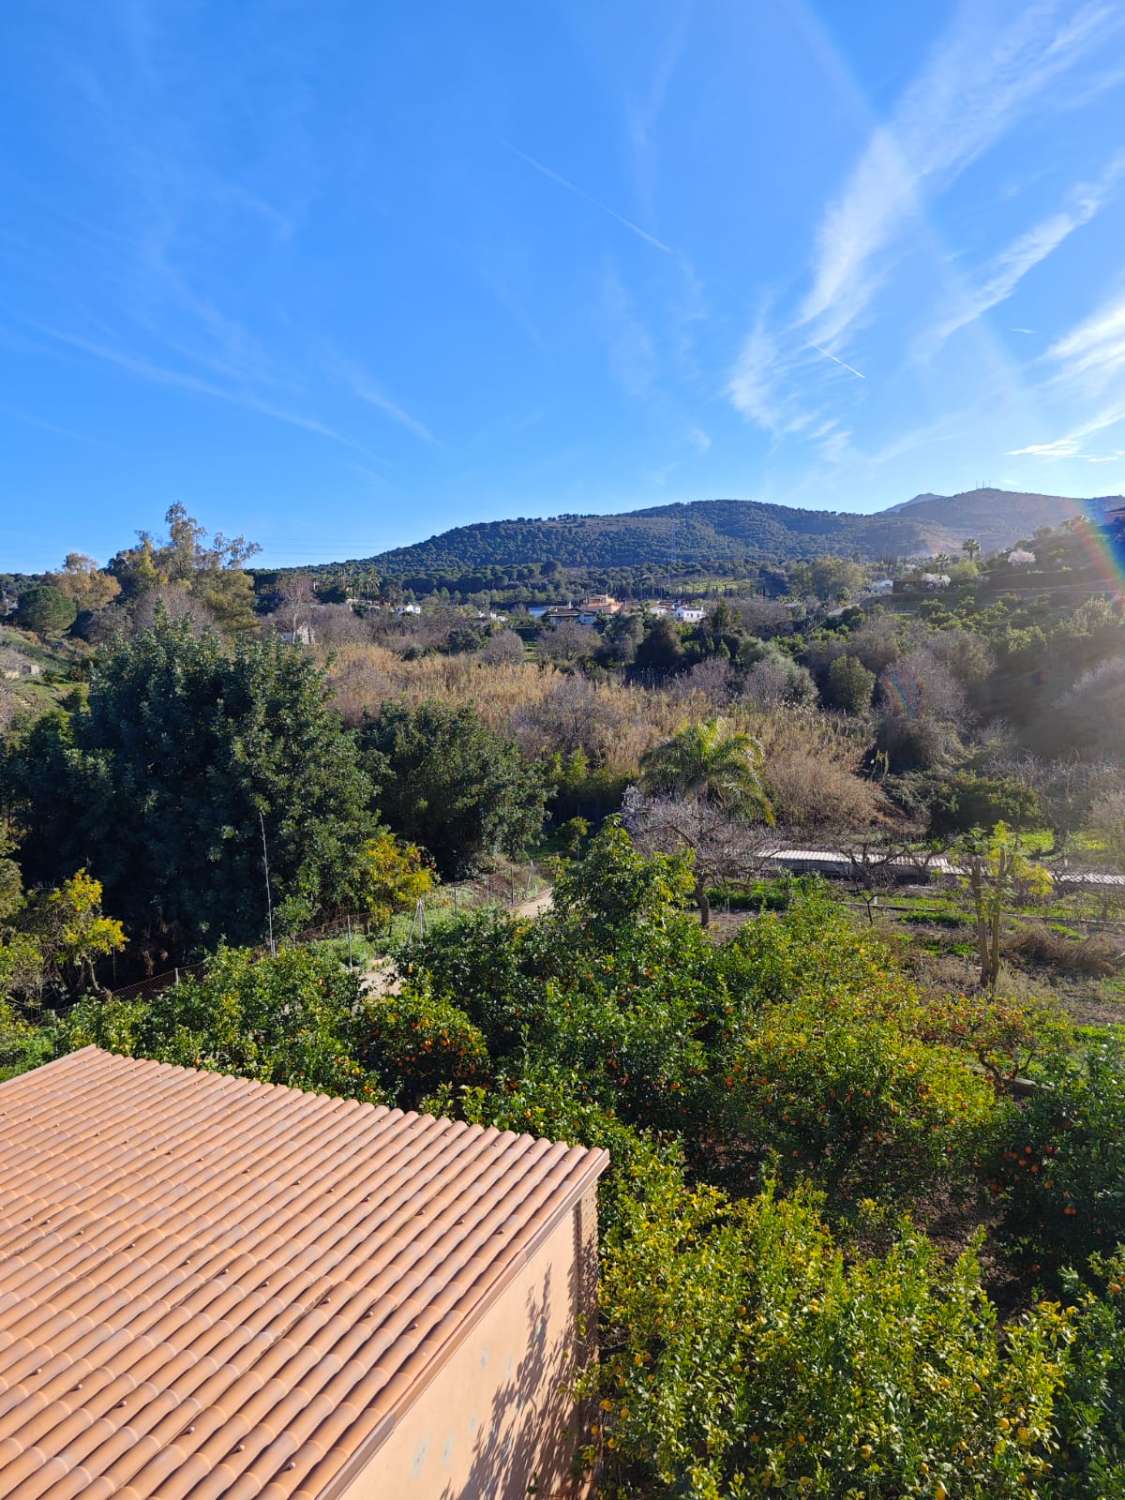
x=689, y=614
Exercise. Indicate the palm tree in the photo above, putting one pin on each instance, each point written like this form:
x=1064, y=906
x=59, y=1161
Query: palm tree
x=971, y=548
x=711, y=762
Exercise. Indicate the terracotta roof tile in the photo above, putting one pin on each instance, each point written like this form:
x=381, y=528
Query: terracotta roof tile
x=212, y=1287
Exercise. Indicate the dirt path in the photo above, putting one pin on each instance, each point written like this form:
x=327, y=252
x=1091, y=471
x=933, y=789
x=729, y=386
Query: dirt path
x=379, y=978
x=535, y=907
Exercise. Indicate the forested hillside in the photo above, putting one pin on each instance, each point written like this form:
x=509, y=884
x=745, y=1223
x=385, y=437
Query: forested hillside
x=714, y=531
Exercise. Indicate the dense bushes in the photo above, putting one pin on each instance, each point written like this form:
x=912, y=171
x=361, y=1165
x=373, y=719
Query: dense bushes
x=293, y=1019
x=413, y=1044
x=744, y=1355
x=850, y=685
x=188, y=758
x=449, y=783
x=851, y=1097
x=1058, y=1171
x=966, y=800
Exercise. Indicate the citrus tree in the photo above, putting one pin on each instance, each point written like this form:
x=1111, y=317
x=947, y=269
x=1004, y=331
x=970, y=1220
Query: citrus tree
x=391, y=875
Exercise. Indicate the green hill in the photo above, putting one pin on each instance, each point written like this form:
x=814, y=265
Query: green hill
x=714, y=531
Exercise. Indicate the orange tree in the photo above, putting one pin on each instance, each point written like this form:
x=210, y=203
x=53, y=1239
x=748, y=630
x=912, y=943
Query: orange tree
x=1090, y=1418
x=413, y=1043
x=743, y=1354
x=843, y=1091
x=1058, y=1172
x=290, y=1019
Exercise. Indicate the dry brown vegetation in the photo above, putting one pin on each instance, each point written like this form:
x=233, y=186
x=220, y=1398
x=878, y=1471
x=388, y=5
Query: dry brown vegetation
x=811, y=761
x=1099, y=955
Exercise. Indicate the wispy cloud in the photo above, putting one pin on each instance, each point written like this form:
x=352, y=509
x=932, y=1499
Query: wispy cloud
x=1087, y=367
x=365, y=388
x=1096, y=348
x=157, y=374
x=753, y=387
x=1008, y=269
x=993, y=65
x=978, y=82
x=700, y=440
x=1073, y=444
x=777, y=390
x=572, y=187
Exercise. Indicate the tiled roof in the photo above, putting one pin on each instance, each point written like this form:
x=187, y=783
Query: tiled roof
x=212, y=1287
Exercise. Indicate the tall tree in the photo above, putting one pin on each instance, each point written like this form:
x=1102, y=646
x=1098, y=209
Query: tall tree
x=188, y=760
x=452, y=785
x=46, y=610
x=212, y=570
x=83, y=581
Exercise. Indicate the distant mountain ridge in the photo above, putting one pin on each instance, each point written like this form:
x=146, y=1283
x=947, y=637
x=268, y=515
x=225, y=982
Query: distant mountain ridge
x=711, y=531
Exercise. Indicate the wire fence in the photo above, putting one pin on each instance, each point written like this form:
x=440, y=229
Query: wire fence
x=511, y=887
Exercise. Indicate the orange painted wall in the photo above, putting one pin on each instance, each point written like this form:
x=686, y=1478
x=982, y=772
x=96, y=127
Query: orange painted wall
x=499, y=1412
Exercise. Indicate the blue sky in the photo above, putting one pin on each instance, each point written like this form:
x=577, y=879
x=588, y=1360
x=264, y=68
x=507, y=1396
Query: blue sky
x=338, y=276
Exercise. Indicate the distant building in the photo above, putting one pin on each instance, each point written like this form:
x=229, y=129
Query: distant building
x=602, y=604
x=231, y=1288
x=1021, y=558
x=14, y=666
x=301, y=635
x=408, y=609
x=689, y=614
x=934, y=580
x=881, y=586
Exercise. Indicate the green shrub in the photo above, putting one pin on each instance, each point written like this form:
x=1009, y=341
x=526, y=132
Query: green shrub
x=413, y=1043
x=448, y=782
x=46, y=610
x=850, y=685
x=810, y=948
x=487, y=963
x=1059, y=1172
x=844, y=1090
x=22, y=1044
x=965, y=801
x=289, y=1019
x=579, y=790
x=743, y=1355
x=1091, y=1405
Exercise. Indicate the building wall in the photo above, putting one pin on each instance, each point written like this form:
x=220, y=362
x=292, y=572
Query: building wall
x=499, y=1413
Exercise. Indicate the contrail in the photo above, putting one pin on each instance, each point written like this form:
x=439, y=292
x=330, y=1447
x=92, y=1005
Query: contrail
x=572, y=187
x=841, y=362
